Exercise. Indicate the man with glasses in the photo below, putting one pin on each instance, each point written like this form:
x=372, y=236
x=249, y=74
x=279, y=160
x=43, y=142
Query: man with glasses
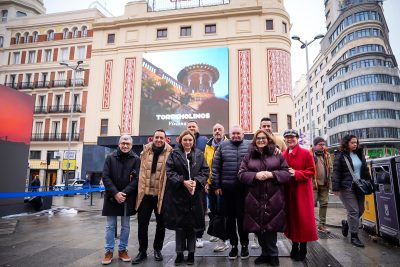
x=321, y=180
x=120, y=178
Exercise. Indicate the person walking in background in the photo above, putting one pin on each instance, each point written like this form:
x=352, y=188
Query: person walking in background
x=120, y=178
x=35, y=183
x=225, y=183
x=187, y=173
x=151, y=188
x=321, y=180
x=264, y=174
x=86, y=185
x=299, y=196
x=201, y=142
x=342, y=184
x=209, y=153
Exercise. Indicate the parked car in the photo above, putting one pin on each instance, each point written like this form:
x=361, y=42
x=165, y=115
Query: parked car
x=73, y=184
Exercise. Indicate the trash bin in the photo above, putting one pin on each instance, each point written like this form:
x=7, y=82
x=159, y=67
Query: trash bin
x=369, y=220
x=386, y=172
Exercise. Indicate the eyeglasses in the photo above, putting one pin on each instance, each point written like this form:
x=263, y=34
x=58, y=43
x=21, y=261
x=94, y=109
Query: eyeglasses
x=261, y=138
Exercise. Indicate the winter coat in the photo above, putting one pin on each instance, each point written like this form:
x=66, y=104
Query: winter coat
x=209, y=154
x=226, y=164
x=265, y=200
x=328, y=167
x=341, y=178
x=120, y=174
x=182, y=210
x=146, y=160
x=201, y=142
x=300, y=197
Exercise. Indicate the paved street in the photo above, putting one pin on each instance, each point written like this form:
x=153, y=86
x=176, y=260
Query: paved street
x=66, y=238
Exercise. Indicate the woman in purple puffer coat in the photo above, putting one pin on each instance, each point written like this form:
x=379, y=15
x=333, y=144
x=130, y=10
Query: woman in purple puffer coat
x=264, y=174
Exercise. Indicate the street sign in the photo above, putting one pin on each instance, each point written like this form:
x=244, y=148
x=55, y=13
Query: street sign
x=69, y=154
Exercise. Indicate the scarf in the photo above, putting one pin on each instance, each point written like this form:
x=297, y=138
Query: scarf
x=157, y=151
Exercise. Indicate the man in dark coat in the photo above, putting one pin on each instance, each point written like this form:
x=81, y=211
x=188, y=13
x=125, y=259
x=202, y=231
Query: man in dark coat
x=225, y=182
x=120, y=178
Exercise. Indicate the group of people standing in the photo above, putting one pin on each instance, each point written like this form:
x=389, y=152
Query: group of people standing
x=263, y=186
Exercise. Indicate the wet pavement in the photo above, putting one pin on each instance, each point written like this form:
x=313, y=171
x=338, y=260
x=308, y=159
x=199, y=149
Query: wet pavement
x=75, y=237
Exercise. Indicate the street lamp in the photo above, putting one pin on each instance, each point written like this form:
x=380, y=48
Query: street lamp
x=305, y=45
x=74, y=69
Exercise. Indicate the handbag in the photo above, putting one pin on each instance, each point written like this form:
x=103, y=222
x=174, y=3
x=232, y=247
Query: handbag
x=364, y=186
x=217, y=225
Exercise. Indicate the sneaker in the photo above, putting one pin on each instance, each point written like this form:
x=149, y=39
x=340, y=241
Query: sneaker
x=107, y=258
x=123, y=255
x=323, y=229
x=233, y=253
x=199, y=243
x=214, y=239
x=255, y=244
x=221, y=247
x=244, y=253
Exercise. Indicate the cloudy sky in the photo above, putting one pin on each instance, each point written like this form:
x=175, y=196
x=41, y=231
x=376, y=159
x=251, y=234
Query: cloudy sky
x=303, y=24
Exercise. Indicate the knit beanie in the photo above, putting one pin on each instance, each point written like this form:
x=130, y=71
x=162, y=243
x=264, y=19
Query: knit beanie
x=318, y=140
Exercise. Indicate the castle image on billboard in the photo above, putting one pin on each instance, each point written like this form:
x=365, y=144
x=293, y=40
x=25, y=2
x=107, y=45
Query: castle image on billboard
x=179, y=86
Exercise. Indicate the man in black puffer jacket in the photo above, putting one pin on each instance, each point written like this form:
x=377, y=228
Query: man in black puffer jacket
x=225, y=181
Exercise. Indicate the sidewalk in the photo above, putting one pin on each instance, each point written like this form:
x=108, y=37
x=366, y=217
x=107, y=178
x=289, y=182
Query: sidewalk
x=67, y=239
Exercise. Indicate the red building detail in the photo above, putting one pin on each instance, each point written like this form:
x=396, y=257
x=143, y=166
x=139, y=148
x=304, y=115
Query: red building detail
x=245, y=98
x=279, y=74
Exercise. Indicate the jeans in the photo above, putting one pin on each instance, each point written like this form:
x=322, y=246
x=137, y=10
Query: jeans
x=110, y=233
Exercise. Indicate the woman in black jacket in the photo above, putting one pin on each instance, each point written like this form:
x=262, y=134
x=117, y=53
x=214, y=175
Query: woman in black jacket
x=183, y=209
x=342, y=184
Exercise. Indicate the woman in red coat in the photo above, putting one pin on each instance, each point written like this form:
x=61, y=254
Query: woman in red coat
x=299, y=196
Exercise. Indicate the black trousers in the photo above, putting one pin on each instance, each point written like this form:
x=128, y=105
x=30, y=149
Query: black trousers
x=233, y=199
x=267, y=242
x=147, y=206
x=185, y=240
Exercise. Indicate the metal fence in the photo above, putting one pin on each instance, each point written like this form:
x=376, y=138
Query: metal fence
x=162, y=5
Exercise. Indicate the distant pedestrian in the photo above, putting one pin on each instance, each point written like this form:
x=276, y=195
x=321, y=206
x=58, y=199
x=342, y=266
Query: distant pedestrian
x=120, y=178
x=187, y=173
x=299, y=196
x=151, y=188
x=35, y=183
x=264, y=174
x=321, y=180
x=86, y=185
x=342, y=184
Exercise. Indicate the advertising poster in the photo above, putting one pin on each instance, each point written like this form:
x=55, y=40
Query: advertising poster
x=183, y=85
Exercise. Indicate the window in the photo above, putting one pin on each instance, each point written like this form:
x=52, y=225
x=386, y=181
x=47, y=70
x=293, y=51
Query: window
x=104, y=127
x=81, y=52
x=38, y=127
x=47, y=55
x=74, y=127
x=274, y=121
x=162, y=33
x=55, y=129
x=42, y=101
x=31, y=56
x=50, y=35
x=34, y=154
x=289, y=121
x=26, y=37
x=186, y=31
x=269, y=24
x=284, y=30
x=65, y=33
x=210, y=28
x=16, y=58
x=20, y=14
x=35, y=36
x=57, y=101
x=84, y=31
x=61, y=78
x=17, y=38
x=110, y=38
x=64, y=54
x=75, y=32
x=28, y=78
x=76, y=102
x=1, y=41
x=4, y=14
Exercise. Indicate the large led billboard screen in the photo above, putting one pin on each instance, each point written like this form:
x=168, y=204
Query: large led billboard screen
x=183, y=85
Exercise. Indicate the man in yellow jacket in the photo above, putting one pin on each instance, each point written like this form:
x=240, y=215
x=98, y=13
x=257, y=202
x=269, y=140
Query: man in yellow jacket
x=209, y=152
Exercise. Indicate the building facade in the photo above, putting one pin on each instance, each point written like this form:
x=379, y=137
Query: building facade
x=355, y=79
x=35, y=47
x=255, y=35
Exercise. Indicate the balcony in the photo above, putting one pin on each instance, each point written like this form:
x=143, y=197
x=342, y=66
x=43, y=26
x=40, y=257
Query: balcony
x=54, y=137
x=40, y=110
x=65, y=108
x=46, y=84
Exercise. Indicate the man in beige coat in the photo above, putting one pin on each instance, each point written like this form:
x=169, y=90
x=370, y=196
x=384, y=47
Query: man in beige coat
x=152, y=180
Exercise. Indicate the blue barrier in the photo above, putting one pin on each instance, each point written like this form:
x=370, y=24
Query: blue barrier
x=49, y=193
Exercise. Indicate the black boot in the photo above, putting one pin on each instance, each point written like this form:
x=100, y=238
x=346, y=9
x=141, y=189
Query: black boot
x=179, y=259
x=345, y=228
x=295, y=250
x=139, y=257
x=301, y=256
x=356, y=241
x=190, y=258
